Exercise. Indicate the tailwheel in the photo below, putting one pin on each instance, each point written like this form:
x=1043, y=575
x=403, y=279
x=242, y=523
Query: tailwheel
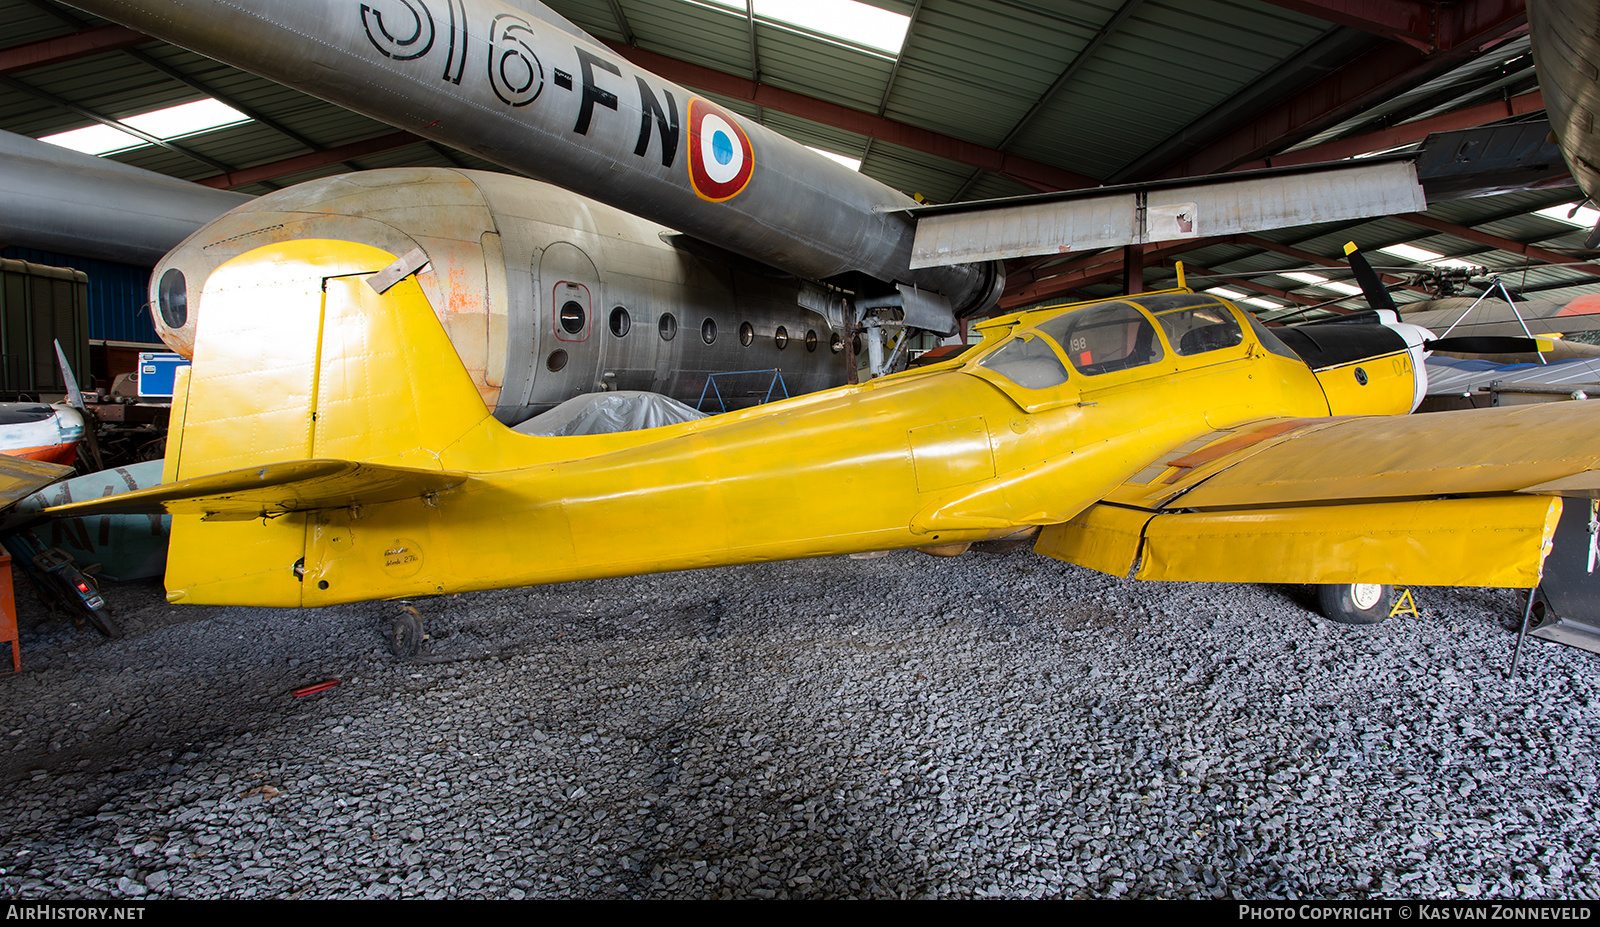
x=406, y=633
x=1355, y=603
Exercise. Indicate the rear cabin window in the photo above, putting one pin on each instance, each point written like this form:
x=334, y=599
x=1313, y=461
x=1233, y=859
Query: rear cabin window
x=1201, y=329
x=1107, y=338
x=1028, y=362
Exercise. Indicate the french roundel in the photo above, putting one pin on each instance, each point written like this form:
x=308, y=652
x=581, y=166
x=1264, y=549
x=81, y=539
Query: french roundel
x=720, y=158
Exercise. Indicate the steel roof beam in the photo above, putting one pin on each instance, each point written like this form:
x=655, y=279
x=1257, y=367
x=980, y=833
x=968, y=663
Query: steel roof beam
x=1409, y=21
x=755, y=53
x=623, y=26
x=1035, y=174
x=1099, y=268
x=894, y=72
x=1289, y=251
x=103, y=119
x=894, y=75
x=1533, y=252
x=261, y=173
x=104, y=39
x=1049, y=266
x=1407, y=133
x=1250, y=284
x=1082, y=58
x=63, y=48
x=1462, y=32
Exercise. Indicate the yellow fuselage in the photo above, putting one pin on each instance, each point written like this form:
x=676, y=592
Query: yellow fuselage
x=940, y=456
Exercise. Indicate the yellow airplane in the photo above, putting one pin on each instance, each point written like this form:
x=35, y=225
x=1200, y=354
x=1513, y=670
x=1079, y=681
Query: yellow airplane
x=328, y=446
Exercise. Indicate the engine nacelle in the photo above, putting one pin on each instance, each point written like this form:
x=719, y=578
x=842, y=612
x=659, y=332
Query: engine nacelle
x=1364, y=367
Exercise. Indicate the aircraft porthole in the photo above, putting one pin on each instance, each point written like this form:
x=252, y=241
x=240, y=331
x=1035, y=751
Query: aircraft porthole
x=556, y=360
x=572, y=317
x=668, y=327
x=708, y=331
x=747, y=334
x=811, y=340
x=781, y=339
x=836, y=344
x=172, y=296
x=620, y=322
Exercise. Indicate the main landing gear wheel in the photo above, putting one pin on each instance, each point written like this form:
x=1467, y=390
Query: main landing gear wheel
x=406, y=633
x=1355, y=603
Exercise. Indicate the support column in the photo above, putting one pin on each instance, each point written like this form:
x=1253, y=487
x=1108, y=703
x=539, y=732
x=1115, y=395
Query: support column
x=1132, y=269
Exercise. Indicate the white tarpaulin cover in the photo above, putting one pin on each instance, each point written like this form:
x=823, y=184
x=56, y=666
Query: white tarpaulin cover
x=609, y=413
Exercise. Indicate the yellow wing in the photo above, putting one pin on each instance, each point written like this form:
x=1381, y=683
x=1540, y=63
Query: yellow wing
x=1454, y=498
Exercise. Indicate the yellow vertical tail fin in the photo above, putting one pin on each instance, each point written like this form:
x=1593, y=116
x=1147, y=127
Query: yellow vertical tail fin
x=299, y=357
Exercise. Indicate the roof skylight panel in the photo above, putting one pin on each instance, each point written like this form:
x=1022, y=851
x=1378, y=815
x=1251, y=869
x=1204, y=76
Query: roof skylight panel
x=168, y=124
x=845, y=20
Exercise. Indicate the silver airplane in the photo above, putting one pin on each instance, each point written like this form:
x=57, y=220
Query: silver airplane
x=763, y=250
x=546, y=294
x=674, y=238
x=1566, y=46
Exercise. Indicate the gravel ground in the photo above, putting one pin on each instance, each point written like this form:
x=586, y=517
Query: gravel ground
x=989, y=725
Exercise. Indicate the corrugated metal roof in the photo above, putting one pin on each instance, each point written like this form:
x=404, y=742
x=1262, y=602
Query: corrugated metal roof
x=1104, y=88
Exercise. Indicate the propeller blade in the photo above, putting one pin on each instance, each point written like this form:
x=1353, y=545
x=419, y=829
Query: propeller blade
x=1371, y=287
x=1488, y=344
x=74, y=395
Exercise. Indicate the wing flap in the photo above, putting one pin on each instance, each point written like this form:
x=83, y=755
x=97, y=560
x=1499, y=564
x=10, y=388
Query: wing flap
x=273, y=489
x=1494, y=541
x=1102, y=537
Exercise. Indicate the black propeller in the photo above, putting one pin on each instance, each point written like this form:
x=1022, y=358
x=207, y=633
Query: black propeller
x=1378, y=298
x=1486, y=344
x=1371, y=287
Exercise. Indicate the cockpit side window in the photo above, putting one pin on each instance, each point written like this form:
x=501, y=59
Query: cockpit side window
x=1200, y=329
x=1028, y=362
x=1101, y=339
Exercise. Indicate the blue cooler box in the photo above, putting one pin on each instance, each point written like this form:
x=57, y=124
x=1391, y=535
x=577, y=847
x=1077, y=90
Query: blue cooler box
x=157, y=372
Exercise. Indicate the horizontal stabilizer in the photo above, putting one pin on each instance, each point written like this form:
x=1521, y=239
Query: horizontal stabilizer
x=256, y=492
x=21, y=477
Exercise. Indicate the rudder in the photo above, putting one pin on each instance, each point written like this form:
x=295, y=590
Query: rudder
x=298, y=357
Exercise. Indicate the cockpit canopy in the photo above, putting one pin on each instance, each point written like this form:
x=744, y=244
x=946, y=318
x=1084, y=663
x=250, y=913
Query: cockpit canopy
x=1114, y=336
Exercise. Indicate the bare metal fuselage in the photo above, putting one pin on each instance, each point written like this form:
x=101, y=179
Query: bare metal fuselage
x=524, y=88
x=1566, y=47
x=545, y=294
